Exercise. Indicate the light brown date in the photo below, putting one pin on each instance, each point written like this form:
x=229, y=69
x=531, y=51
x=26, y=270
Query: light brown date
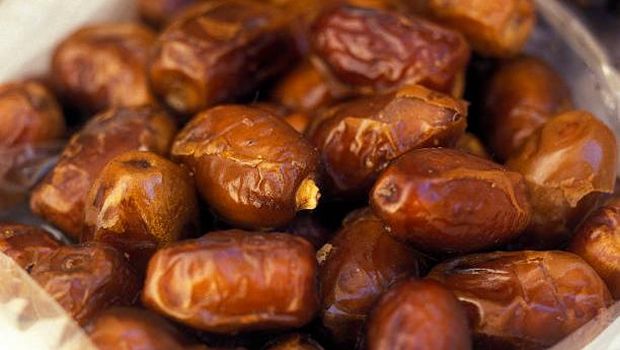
x=596, y=241
x=217, y=51
x=232, y=281
x=567, y=164
x=25, y=244
x=496, y=28
x=104, y=66
x=526, y=299
x=140, y=202
x=85, y=279
x=358, y=139
x=59, y=197
x=420, y=315
x=29, y=114
x=252, y=168
x=448, y=201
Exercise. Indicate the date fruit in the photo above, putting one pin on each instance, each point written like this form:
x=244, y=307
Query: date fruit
x=25, y=244
x=522, y=95
x=526, y=299
x=134, y=329
x=380, y=51
x=567, y=164
x=358, y=139
x=158, y=13
x=445, y=201
x=87, y=278
x=104, y=66
x=29, y=113
x=139, y=203
x=356, y=267
x=217, y=51
x=251, y=167
x=59, y=197
x=420, y=315
x=233, y=281
x=470, y=143
x=497, y=28
x=294, y=342
x=597, y=242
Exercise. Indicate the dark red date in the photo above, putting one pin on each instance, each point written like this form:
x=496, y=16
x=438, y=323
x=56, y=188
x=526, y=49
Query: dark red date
x=524, y=300
x=27, y=245
x=356, y=267
x=358, y=139
x=374, y=50
x=448, y=201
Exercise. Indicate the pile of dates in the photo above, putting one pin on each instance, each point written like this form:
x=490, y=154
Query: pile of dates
x=316, y=174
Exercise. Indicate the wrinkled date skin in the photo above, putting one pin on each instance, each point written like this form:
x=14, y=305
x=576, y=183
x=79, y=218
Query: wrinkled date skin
x=87, y=278
x=217, y=51
x=140, y=202
x=356, y=267
x=133, y=329
x=294, y=342
x=29, y=113
x=597, y=241
x=59, y=198
x=470, y=143
x=309, y=87
x=447, y=201
x=27, y=245
x=375, y=51
x=496, y=28
x=522, y=95
x=358, y=139
x=232, y=281
x=526, y=299
x=567, y=164
x=421, y=315
x=104, y=66
x=158, y=13
x=253, y=169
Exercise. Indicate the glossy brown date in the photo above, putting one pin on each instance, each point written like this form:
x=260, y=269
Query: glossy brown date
x=309, y=87
x=356, y=267
x=158, y=13
x=140, y=202
x=29, y=113
x=470, y=143
x=496, y=28
x=87, y=278
x=25, y=244
x=294, y=342
x=217, y=51
x=526, y=299
x=567, y=164
x=134, y=329
x=597, y=241
x=421, y=315
x=59, y=197
x=448, y=201
x=252, y=168
x=522, y=95
x=232, y=281
x=104, y=66
x=379, y=51
x=358, y=139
